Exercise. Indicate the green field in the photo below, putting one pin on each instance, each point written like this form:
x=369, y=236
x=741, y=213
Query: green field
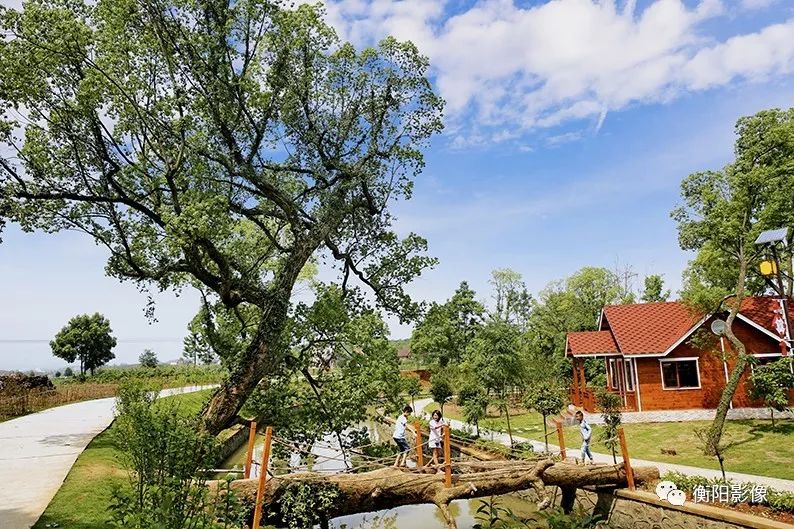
x=84, y=498
x=758, y=449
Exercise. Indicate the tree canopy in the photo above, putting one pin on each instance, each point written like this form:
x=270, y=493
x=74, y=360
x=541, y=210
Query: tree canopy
x=771, y=384
x=87, y=339
x=148, y=358
x=572, y=304
x=654, y=289
x=219, y=146
x=721, y=214
x=443, y=334
x=339, y=364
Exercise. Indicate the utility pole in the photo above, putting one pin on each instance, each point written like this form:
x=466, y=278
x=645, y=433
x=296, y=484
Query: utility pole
x=773, y=274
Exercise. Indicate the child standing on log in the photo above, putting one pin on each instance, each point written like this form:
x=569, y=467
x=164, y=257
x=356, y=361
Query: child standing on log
x=586, y=432
x=399, y=436
x=434, y=441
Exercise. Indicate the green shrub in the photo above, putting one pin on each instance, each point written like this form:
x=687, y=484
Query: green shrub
x=491, y=514
x=777, y=500
x=782, y=501
x=164, y=451
x=689, y=483
x=306, y=504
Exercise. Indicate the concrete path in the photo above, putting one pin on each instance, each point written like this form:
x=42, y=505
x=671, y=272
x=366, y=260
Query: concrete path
x=776, y=483
x=38, y=450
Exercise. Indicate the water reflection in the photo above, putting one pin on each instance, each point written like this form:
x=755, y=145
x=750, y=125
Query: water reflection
x=430, y=517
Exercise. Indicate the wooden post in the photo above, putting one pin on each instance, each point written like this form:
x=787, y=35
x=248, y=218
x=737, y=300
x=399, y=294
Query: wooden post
x=626, y=462
x=420, y=460
x=260, y=489
x=447, y=458
x=576, y=394
x=561, y=439
x=583, y=387
x=249, y=456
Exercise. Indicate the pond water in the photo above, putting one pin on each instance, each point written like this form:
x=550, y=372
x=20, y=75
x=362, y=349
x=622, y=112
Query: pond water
x=407, y=517
x=429, y=517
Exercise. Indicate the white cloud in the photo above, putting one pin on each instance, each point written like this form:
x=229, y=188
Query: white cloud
x=755, y=56
x=512, y=69
x=756, y=4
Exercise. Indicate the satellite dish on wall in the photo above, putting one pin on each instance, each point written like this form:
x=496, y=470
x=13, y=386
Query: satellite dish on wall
x=718, y=327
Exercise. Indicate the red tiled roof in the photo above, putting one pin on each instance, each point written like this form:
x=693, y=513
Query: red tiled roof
x=652, y=328
x=649, y=327
x=762, y=311
x=591, y=342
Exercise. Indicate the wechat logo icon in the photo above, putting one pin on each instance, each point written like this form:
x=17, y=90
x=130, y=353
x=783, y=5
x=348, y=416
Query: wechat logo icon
x=667, y=491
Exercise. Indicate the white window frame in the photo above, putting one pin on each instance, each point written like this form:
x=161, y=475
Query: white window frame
x=613, y=373
x=764, y=355
x=628, y=364
x=686, y=359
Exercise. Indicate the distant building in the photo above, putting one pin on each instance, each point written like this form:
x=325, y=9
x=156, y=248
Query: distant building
x=404, y=352
x=652, y=365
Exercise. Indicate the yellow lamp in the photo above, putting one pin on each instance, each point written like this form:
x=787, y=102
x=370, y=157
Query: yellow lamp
x=768, y=268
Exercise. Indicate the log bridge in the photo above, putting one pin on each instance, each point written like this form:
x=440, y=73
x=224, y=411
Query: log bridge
x=387, y=488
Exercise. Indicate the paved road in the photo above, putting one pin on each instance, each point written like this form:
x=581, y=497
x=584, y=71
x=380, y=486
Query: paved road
x=779, y=484
x=38, y=450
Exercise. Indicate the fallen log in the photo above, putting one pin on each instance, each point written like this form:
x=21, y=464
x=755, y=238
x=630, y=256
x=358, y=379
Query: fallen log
x=390, y=487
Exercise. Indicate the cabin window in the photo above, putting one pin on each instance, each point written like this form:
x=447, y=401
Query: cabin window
x=680, y=374
x=764, y=360
x=629, y=365
x=613, y=371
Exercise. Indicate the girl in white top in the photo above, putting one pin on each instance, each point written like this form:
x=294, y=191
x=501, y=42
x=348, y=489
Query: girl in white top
x=434, y=441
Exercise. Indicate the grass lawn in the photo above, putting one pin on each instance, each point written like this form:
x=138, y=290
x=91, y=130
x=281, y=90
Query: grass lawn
x=758, y=448
x=84, y=498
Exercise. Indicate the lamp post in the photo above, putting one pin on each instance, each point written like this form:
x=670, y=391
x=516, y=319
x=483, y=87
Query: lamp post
x=773, y=274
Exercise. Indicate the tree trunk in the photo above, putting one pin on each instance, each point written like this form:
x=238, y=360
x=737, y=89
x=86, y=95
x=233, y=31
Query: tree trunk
x=714, y=435
x=509, y=429
x=258, y=360
x=545, y=433
x=390, y=487
x=263, y=356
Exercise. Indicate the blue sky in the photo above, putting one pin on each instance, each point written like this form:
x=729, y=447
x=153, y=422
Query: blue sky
x=569, y=127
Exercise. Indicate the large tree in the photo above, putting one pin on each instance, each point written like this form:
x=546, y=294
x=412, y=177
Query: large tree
x=572, y=304
x=654, y=289
x=215, y=144
x=445, y=330
x=512, y=302
x=87, y=339
x=721, y=216
x=495, y=360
